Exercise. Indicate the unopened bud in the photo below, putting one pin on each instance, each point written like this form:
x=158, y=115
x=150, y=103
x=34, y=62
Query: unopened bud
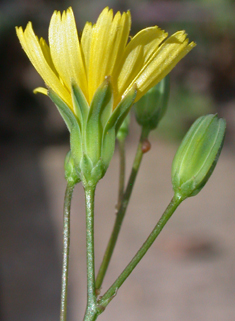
x=197, y=155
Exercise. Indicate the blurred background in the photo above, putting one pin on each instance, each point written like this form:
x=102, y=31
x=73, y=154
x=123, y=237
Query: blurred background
x=189, y=272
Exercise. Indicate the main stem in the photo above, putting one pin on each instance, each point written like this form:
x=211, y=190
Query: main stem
x=91, y=309
x=107, y=297
x=66, y=245
x=121, y=211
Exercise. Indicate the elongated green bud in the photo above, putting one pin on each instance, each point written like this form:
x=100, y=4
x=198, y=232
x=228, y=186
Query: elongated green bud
x=197, y=155
x=150, y=109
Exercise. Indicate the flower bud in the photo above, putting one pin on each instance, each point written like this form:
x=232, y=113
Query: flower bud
x=197, y=155
x=150, y=109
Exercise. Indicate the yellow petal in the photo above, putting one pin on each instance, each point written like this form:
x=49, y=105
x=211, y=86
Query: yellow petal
x=34, y=51
x=161, y=62
x=98, y=53
x=130, y=68
x=116, y=42
x=109, y=38
x=138, y=52
x=57, y=46
x=40, y=90
x=73, y=51
x=102, y=51
x=86, y=44
x=47, y=54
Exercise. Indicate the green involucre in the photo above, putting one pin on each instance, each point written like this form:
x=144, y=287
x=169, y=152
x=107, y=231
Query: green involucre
x=93, y=128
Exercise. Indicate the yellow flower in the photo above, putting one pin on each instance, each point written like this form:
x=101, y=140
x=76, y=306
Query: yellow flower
x=102, y=50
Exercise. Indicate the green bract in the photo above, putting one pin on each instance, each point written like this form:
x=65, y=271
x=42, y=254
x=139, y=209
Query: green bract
x=150, y=109
x=93, y=128
x=197, y=155
x=71, y=175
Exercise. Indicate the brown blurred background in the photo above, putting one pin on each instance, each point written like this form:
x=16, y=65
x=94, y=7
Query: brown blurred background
x=189, y=272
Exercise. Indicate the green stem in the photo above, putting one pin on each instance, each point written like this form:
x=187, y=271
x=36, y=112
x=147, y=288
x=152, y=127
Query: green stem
x=91, y=309
x=107, y=297
x=66, y=244
x=121, y=211
x=121, y=185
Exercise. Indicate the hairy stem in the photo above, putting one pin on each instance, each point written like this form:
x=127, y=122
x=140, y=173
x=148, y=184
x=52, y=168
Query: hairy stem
x=91, y=309
x=66, y=245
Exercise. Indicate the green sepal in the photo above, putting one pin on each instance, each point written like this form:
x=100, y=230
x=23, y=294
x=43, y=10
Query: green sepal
x=106, y=112
x=108, y=146
x=121, y=111
x=66, y=113
x=91, y=173
x=116, y=119
x=197, y=155
x=76, y=145
x=74, y=128
x=80, y=104
x=71, y=175
x=98, y=171
x=86, y=166
x=101, y=102
x=151, y=108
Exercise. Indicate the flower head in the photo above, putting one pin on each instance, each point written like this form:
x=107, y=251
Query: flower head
x=94, y=79
x=102, y=50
